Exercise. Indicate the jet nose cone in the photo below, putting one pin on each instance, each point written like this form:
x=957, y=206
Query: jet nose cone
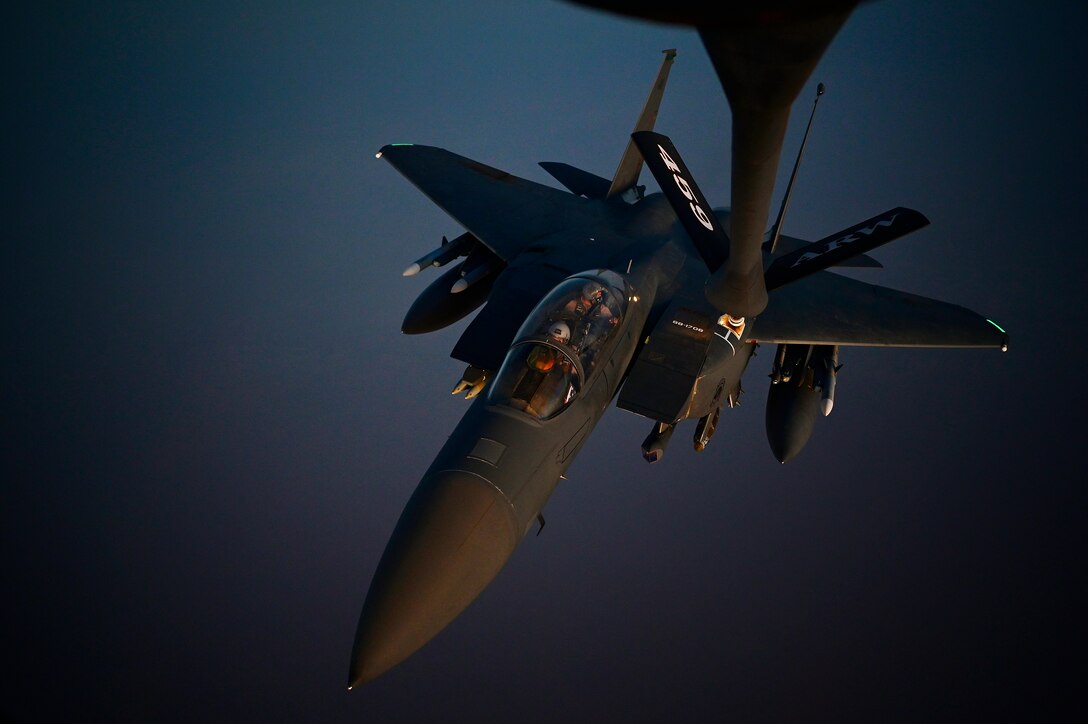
x=453, y=537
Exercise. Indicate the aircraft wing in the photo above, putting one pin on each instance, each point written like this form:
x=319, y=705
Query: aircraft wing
x=503, y=211
x=531, y=227
x=827, y=308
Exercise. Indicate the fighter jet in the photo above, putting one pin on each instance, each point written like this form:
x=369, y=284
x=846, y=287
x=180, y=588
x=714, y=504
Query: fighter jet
x=600, y=292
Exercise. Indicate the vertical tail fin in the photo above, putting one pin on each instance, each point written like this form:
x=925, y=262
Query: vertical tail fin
x=630, y=167
x=684, y=196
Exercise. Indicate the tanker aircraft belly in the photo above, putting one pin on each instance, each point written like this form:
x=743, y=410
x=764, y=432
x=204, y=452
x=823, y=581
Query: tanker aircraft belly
x=602, y=292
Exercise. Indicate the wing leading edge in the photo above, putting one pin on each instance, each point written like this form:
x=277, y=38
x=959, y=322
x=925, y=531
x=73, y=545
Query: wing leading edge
x=827, y=308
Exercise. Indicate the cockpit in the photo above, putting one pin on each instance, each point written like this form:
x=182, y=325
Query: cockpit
x=559, y=345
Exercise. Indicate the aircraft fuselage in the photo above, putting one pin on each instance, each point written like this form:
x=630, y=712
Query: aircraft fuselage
x=490, y=481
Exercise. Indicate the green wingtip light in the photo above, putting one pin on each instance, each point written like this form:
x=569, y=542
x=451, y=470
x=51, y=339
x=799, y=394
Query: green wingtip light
x=1005, y=341
x=379, y=153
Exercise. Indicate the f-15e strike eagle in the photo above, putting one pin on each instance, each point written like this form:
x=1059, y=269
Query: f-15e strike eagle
x=657, y=301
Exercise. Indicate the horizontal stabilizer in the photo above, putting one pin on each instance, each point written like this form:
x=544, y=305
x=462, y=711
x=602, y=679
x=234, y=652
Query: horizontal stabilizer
x=687, y=200
x=843, y=245
x=789, y=244
x=578, y=181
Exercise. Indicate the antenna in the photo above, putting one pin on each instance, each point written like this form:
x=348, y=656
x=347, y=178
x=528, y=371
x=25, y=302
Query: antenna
x=776, y=230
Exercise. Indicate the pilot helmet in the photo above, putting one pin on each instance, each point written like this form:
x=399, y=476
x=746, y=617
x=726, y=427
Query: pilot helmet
x=559, y=331
x=592, y=290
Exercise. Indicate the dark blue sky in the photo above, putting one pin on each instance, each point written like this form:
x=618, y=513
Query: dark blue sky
x=212, y=421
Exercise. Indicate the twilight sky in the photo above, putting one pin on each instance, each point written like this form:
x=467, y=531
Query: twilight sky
x=212, y=421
